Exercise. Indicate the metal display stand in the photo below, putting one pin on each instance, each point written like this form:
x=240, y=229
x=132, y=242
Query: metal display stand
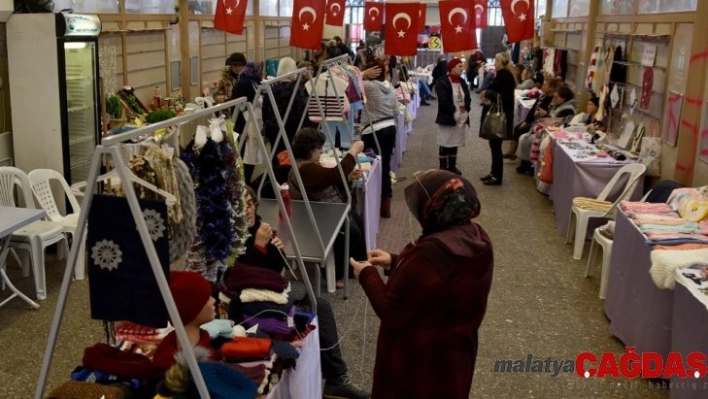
x=337, y=213
x=111, y=146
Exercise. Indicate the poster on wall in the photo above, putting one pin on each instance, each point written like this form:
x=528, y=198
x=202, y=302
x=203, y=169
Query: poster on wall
x=703, y=143
x=673, y=118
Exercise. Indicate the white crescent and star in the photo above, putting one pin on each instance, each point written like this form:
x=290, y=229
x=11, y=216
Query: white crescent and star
x=457, y=10
x=402, y=15
x=480, y=8
x=339, y=8
x=307, y=10
x=377, y=12
x=522, y=16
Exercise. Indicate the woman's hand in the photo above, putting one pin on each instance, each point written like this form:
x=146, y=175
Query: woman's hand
x=540, y=113
x=371, y=73
x=379, y=257
x=358, y=266
x=356, y=148
x=356, y=174
x=277, y=242
x=263, y=235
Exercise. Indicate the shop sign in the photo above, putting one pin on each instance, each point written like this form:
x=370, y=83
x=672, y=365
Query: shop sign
x=82, y=25
x=434, y=43
x=649, y=55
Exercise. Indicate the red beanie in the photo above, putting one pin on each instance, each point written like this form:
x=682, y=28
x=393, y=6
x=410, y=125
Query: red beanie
x=191, y=292
x=453, y=63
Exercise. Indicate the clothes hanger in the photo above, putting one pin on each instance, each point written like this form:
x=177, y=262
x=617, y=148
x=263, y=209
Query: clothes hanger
x=113, y=175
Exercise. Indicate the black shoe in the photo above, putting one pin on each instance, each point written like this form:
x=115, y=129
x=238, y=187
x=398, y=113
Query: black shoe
x=455, y=171
x=343, y=388
x=424, y=103
x=487, y=177
x=522, y=169
x=492, y=182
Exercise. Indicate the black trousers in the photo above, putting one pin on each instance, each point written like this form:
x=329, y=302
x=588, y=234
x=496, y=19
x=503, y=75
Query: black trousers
x=387, y=141
x=333, y=365
x=357, y=245
x=497, y=159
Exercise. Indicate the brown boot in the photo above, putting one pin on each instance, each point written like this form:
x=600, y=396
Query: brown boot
x=510, y=152
x=386, y=208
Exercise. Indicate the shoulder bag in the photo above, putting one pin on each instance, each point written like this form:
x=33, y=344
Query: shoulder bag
x=494, y=125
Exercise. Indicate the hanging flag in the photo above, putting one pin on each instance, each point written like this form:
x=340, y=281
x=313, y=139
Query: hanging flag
x=519, y=19
x=480, y=13
x=458, y=26
x=335, y=12
x=307, y=23
x=401, y=26
x=421, y=17
x=373, y=16
x=230, y=16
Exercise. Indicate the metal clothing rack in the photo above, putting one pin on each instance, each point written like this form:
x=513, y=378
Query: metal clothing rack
x=110, y=146
x=331, y=215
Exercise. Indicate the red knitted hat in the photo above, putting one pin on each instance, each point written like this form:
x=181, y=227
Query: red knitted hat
x=191, y=292
x=453, y=63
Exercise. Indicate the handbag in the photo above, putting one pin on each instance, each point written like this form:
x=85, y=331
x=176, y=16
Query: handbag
x=494, y=125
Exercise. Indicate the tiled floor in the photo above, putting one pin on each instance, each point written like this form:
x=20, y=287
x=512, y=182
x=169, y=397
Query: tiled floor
x=540, y=304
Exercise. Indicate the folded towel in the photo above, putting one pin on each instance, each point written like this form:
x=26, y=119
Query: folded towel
x=664, y=264
x=219, y=328
x=686, y=228
x=659, y=219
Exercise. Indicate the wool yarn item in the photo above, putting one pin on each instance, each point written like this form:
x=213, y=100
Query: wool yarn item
x=284, y=350
x=191, y=292
x=256, y=295
x=243, y=276
x=647, y=87
x=183, y=232
x=110, y=360
x=247, y=348
x=224, y=382
x=85, y=390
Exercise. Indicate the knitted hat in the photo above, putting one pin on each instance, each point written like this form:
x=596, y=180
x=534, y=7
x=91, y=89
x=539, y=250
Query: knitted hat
x=85, y=390
x=224, y=382
x=242, y=276
x=191, y=292
x=453, y=63
x=246, y=347
x=110, y=360
x=236, y=59
x=284, y=350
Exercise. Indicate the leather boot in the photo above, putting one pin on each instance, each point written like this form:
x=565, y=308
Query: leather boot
x=510, y=152
x=386, y=208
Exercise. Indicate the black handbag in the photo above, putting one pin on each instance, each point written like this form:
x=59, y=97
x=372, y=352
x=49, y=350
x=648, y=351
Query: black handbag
x=494, y=125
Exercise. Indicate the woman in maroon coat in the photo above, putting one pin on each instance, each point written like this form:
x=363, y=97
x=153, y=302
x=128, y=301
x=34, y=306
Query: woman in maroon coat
x=434, y=301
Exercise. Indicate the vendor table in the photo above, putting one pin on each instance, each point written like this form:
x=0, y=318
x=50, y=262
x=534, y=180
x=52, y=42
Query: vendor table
x=522, y=106
x=690, y=328
x=368, y=203
x=640, y=313
x=304, y=381
x=574, y=176
x=401, y=142
x=11, y=220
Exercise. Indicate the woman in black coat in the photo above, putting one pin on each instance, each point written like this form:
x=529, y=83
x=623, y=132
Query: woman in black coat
x=503, y=84
x=452, y=118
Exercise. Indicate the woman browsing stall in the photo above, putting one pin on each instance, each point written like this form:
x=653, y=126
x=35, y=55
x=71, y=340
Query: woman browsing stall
x=453, y=115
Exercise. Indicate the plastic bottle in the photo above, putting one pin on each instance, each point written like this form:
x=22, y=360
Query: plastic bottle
x=285, y=193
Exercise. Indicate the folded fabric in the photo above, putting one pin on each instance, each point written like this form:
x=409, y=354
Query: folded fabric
x=256, y=373
x=703, y=228
x=642, y=218
x=83, y=374
x=260, y=295
x=687, y=228
x=219, y=328
x=110, y=360
x=303, y=319
x=665, y=263
x=269, y=325
x=224, y=382
x=659, y=236
x=681, y=247
x=86, y=390
x=243, y=276
x=247, y=348
x=646, y=207
x=592, y=204
x=268, y=309
x=284, y=350
x=678, y=195
x=129, y=331
x=295, y=336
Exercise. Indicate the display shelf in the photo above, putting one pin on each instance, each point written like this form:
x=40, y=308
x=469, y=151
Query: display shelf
x=566, y=30
x=79, y=108
x=77, y=78
x=638, y=64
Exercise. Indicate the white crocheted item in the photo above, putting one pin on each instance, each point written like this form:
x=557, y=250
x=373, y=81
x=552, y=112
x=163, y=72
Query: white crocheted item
x=664, y=264
x=258, y=295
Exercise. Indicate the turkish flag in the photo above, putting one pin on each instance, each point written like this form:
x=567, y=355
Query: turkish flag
x=335, y=12
x=307, y=23
x=457, y=24
x=480, y=12
x=421, y=17
x=519, y=19
x=373, y=16
x=401, y=25
x=230, y=15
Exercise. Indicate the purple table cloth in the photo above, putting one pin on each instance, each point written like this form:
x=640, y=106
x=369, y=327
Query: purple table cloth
x=575, y=178
x=305, y=381
x=641, y=314
x=690, y=329
x=368, y=204
x=401, y=141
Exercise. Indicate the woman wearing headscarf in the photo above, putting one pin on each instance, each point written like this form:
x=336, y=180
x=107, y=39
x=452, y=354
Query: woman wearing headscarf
x=435, y=298
x=503, y=85
x=452, y=119
x=380, y=121
x=248, y=81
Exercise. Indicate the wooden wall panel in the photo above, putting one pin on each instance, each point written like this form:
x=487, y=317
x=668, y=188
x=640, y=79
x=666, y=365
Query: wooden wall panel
x=145, y=55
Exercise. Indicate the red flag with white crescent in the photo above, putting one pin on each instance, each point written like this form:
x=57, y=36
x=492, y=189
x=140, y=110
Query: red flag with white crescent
x=307, y=23
x=401, y=26
x=519, y=19
x=335, y=12
x=457, y=24
x=230, y=15
x=373, y=16
x=480, y=13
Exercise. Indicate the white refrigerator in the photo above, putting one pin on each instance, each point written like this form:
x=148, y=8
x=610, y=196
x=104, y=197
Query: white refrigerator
x=54, y=91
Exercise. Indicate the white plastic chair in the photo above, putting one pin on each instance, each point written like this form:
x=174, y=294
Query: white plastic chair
x=41, y=186
x=606, y=211
x=35, y=237
x=606, y=245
